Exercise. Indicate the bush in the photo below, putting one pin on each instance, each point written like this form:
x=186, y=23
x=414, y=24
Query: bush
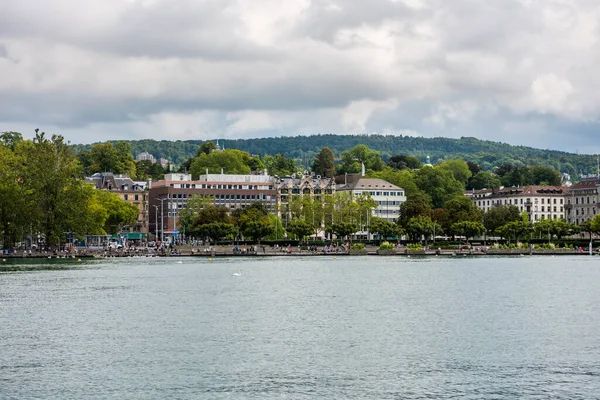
x=357, y=246
x=414, y=246
x=386, y=246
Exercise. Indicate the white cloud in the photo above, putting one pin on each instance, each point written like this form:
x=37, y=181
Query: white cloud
x=129, y=68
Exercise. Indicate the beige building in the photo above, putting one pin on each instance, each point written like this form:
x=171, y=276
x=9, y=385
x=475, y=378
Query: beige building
x=134, y=192
x=388, y=196
x=288, y=188
x=539, y=202
x=581, y=200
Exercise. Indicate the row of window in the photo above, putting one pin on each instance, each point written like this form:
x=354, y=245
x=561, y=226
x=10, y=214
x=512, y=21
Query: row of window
x=373, y=193
x=482, y=203
x=219, y=186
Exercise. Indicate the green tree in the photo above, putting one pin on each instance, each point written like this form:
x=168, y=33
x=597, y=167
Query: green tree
x=206, y=148
x=300, y=227
x=10, y=139
x=515, y=230
x=351, y=160
x=414, y=206
x=280, y=165
x=404, y=162
x=230, y=161
x=404, y=179
x=459, y=168
x=383, y=228
x=216, y=231
x=468, y=229
x=497, y=216
x=484, y=180
x=278, y=230
x=419, y=226
x=439, y=185
x=324, y=163
x=119, y=213
x=342, y=229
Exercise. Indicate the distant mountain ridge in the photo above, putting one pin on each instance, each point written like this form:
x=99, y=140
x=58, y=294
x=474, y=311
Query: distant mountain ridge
x=488, y=154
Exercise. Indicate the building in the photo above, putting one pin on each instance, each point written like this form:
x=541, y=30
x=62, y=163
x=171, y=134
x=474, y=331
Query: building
x=388, y=196
x=289, y=187
x=169, y=196
x=134, y=192
x=143, y=156
x=581, y=200
x=539, y=202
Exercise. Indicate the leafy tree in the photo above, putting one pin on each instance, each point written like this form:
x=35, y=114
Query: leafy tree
x=280, y=165
x=554, y=227
x=515, y=229
x=474, y=168
x=300, y=227
x=404, y=162
x=278, y=230
x=342, y=229
x=459, y=209
x=119, y=213
x=414, y=206
x=351, y=160
x=419, y=226
x=484, y=180
x=10, y=139
x=595, y=224
x=383, y=228
x=324, y=163
x=497, y=216
x=206, y=148
x=230, y=161
x=189, y=216
x=438, y=184
x=545, y=176
x=253, y=221
x=216, y=230
x=459, y=168
x=468, y=229
x=404, y=179
x=256, y=164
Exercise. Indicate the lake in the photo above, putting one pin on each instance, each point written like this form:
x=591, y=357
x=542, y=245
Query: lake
x=301, y=328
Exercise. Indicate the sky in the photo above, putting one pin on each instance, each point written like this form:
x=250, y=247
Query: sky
x=516, y=71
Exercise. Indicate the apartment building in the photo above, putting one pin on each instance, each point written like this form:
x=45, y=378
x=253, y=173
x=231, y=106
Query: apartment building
x=581, y=200
x=169, y=196
x=388, y=196
x=134, y=192
x=539, y=202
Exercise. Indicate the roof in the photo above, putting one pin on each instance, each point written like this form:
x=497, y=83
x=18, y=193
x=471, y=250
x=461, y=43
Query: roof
x=368, y=183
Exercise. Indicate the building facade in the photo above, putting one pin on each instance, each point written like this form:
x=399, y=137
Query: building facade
x=581, y=200
x=134, y=192
x=539, y=202
x=388, y=196
x=170, y=196
x=288, y=188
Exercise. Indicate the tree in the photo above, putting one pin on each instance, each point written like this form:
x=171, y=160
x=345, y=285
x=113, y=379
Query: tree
x=484, y=180
x=383, y=228
x=10, y=139
x=404, y=162
x=414, y=206
x=216, y=230
x=324, y=163
x=229, y=161
x=459, y=168
x=60, y=198
x=438, y=184
x=497, y=216
x=119, y=213
x=300, y=227
x=515, y=229
x=343, y=229
x=280, y=165
x=404, y=178
x=206, y=148
x=468, y=229
x=419, y=226
x=460, y=208
x=253, y=221
x=351, y=160
x=256, y=164
x=278, y=231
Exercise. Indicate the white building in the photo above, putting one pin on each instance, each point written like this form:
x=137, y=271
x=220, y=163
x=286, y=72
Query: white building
x=389, y=197
x=539, y=202
x=143, y=156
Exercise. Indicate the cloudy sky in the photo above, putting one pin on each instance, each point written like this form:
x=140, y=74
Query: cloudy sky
x=518, y=71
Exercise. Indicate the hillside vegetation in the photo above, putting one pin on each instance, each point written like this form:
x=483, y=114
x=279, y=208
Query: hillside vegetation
x=304, y=149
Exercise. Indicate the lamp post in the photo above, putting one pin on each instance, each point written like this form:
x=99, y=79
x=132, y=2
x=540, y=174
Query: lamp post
x=155, y=222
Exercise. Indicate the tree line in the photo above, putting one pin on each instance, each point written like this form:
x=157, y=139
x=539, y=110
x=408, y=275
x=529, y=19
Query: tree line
x=43, y=194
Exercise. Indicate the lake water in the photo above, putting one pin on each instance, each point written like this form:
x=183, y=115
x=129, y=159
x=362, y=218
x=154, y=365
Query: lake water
x=302, y=328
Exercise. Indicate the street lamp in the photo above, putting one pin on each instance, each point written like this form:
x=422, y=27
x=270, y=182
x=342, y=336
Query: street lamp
x=155, y=222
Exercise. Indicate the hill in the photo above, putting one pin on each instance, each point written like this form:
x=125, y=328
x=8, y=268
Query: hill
x=488, y=154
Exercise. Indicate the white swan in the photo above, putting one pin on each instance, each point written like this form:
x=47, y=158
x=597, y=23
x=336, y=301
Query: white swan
x=239, y=273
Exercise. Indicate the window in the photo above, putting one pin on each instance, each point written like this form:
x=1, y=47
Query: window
x=125, y=197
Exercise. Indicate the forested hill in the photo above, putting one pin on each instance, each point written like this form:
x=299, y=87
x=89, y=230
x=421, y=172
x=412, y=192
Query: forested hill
x=487, y=154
